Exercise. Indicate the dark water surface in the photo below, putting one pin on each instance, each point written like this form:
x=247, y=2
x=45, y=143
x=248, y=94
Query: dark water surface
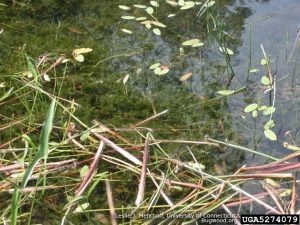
x=195, y=109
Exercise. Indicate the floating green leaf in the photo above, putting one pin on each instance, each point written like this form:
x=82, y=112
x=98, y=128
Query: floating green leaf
x=250, y=107
x=269, y=124
x=225, y=92
x=154, y=66
x=270, y=135
x=269, y=110
x=254, y=113
x=83, y=171
x=265, y=81
x=263, y=61
x=263, y=107
x=254, y=70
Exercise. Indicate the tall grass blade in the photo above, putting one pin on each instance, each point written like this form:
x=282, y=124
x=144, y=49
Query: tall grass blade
x=41, y=154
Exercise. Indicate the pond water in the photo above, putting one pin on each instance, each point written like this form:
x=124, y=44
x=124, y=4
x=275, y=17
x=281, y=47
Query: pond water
x=196, y=110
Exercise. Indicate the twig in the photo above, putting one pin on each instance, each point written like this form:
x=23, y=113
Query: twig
x=87, y=179
x=118, y=149
x=110, y=203
x=150, y=118
x=141, y=190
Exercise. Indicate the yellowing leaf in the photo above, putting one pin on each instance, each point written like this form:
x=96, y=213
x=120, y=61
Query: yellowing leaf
x=163, y=72
x=171, y=15
x=140, y=6
x=79, y=58
x=140, y=18
x=197, y=45
x=181, y=2
x=291, y=147
x=81, y=51
x=272, y=182
x=150, y=10
x=270, y=135
x=156, y=23
x=128, y=17
x=186, y=76
x=286, y=193
x=126, y=31
x=157, y=70
x=226, y=50
x=124, y=7
x=156, y=31
x=125, y=79
x=188, y=5
x=154, y=66
x=191, y=42
x=154, y=3
x=172, y=3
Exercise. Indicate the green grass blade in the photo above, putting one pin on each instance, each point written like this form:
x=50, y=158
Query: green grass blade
x=41, y=154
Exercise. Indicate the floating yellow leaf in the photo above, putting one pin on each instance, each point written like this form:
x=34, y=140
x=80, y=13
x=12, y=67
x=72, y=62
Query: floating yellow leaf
x=172, y=3
x=191, y=42
x=140, y=18
x=128, y=17
x=226, y=92
x=154, y=66
x=226, y=50
x=81, y=51
x=270, y=135
x=124, y=7
x=185, y=76
x=140, y=6
x=79, y=58
x=126, y=31
x=154, y=3
x=156, y=31
x=156, y=23
x=291, y=147
x=125, y=79
x=150, y=10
